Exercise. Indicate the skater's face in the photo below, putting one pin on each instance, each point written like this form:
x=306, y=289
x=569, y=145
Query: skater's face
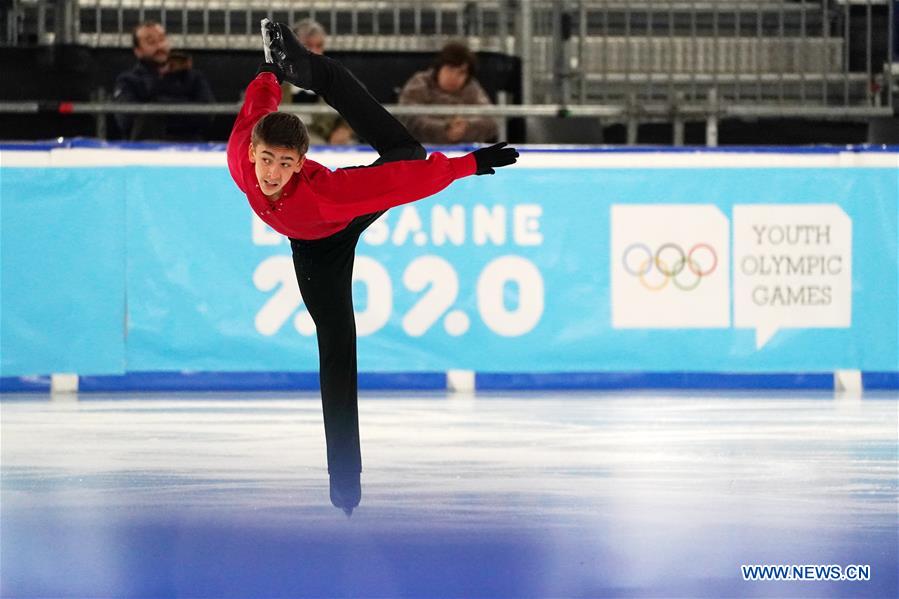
x=452, y=78
x=274, y=167
x=152, y=44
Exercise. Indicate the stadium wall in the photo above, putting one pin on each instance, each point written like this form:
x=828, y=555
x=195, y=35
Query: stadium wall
x=140, y=267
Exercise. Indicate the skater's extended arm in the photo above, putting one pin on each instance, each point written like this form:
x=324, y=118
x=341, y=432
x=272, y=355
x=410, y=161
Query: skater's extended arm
x=353, y=192
x=262, y=97
x=357, y=191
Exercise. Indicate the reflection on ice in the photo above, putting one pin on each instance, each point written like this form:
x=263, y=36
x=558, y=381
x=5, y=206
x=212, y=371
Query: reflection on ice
x=498, y=495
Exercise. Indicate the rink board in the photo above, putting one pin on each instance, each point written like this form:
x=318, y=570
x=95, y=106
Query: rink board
x=121, y=260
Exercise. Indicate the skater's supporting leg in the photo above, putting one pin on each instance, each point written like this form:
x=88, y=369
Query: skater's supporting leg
x=324, y=271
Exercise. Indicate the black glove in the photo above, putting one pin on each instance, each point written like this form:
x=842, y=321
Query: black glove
x=288, y=54
x=494, y=156
x=268, y=67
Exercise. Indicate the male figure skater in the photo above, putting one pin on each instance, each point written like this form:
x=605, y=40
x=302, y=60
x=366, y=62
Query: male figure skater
x=324, y=212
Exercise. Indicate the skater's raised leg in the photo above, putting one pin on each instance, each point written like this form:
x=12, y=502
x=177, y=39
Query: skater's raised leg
x=343, y=92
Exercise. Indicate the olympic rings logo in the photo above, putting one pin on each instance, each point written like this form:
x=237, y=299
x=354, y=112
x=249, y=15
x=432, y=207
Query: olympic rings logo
x=671, y=262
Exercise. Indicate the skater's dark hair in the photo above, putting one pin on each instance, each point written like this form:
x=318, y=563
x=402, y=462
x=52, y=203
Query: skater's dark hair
x=282, y=130
x=456, y=54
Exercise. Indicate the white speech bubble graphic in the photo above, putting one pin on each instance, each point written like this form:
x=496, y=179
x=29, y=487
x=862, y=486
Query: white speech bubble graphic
x=793, y=267
x=669, y=266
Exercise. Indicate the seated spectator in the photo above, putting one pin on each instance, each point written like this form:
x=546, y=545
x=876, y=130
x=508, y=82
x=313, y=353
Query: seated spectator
x=165, y=77
x=451, y=80
x=323, y=128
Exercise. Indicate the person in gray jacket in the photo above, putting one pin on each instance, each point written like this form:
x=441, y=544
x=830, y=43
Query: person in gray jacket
x=451, y=80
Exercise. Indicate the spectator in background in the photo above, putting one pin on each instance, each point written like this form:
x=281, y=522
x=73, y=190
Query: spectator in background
x=323, y=128
x=451, y=80
x=162, y=76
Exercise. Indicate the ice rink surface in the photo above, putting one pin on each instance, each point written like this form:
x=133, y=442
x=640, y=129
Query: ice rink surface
x=494, y=495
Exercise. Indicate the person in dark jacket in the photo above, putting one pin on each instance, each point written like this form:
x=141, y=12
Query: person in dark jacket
x=161, y=76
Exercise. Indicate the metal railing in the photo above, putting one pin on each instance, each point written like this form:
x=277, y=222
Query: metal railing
x=193, y=24
x=710, y=112
x=787, y=57
x=785, y=52
x=574, y=51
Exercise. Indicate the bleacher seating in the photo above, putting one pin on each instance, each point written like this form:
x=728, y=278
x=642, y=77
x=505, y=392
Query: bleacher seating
x=785, y=53
x=80, y=73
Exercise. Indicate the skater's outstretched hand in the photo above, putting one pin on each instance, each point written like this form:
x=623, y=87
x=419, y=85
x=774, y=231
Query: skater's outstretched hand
x=284, y=51
x=493, y=157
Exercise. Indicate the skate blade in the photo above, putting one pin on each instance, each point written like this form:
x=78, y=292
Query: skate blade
x=266, y=40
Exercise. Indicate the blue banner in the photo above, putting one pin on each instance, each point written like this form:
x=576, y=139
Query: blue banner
x=567, y=262
x=62, y=271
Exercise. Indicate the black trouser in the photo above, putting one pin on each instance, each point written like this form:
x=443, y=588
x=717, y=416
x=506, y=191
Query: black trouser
x=324, y=267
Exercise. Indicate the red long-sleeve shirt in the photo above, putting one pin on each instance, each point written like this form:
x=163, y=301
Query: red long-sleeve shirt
x=318, y=202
